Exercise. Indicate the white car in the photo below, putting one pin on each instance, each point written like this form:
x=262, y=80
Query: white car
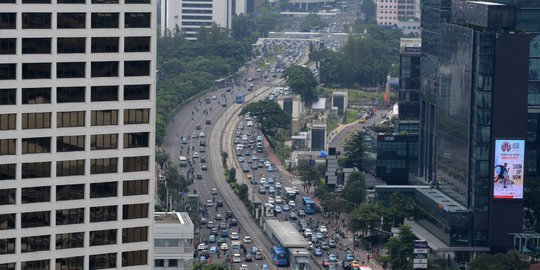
x=278, y=199
x=292, y=204
x=250, y=123
x=262, y=181
x=236, y=258
x=247, y=239
x=323, y=229
x=308, y=233
x=195, y=155
x=234, y=236
x=271, y=200
x=201, y=135
x=244, y=137
x=202, y=246
x=224, y=246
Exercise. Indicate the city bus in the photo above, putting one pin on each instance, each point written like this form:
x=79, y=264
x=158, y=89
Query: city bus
x=280, y=256
x=291, y=194
x=308, y=205
x=240, y=98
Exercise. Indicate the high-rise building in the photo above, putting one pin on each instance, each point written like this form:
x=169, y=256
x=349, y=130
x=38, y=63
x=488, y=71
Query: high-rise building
x=479, y=75
x=188, y=16
x=77, y=110
x=409, y=85
x=173, y=241
x=403, y=14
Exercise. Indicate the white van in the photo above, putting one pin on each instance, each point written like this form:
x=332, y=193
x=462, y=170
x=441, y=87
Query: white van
x=183, y=161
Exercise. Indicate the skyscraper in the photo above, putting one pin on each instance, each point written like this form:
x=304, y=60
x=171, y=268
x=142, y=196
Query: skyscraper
x=77, y=106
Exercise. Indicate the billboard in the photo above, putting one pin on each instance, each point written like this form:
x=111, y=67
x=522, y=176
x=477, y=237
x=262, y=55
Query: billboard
x=508, y=169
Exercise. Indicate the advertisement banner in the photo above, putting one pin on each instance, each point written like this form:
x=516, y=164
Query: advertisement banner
x=508, y=169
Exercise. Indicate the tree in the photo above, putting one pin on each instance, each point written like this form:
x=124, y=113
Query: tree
x=365, y=217
x=500, y=261
x=162, y=157
x=400, y=207
x=354, y=150
x=401, y=249
x=302, y=82
x=269, y=115
x=243, y=192
x=369, y=8
x=232, y=175
x=354, y=191
x=312, y=22
x=309, y=175
x=212, y=266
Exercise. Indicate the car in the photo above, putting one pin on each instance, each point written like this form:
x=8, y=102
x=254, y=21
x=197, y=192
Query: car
x=245, y=168
x=325, y=246
x=204, y=167
x=244, y=267
x=254, y=157
x=278, y=185
x=229, y=214
x=219, y=203
x=219, y=216
x=262, y=180
x=308, y=233
x=233, y=222
x=195, y=155
x=254, y=166
x=224, y=233
x=349, y=257
x=278, y=199
x=222, y=226
x=248, y=258
x=236, y=258
x=247, y=239
x=201, y=135
x=214, y=231
x=318, y=252
x=323, y=229
x=267, y=163
x=331, y=243
x=203, y=159
x=241, y=159
x=332, y=257
x=271, y=200
x=184, y=140
x=271, y=180
x=250, y=123
x=270, y=168
x=211, y=238
x=296, y=190
x=199, y=176
x=210, y=224
x=254, y=249
x=278, y=209
x=209, y=203
x=224, y=246
x=203, y=221
x=301, y=213
x=266, y=185
x=213, y=250
x=260, y=164
x=214, y=191
x=310, y=245
x=258, y=255
x=293, y=216
x=194, y=135
x=259, y=138
x=234, y=236
x=202, y=246
x=292, y=204
x=214, y=97
x=202, y=259
x=244, y=137
x=271, y=190
x=286, y=208
x=224, y=104
x=319, y=236
x=247, y=152
x=262, y=190
x=202, y=149
x=265, y=267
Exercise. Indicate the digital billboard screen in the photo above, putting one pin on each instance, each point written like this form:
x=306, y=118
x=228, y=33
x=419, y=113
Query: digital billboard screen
x=508, y=169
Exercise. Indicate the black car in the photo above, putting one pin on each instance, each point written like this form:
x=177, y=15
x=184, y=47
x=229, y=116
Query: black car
x=233, y=222
x=203, y=221
x=331, y=243
x=204, y=167
x=248, y=258
x=199, y=175
x=222, y=226
x=219, y=203
x=229, y=214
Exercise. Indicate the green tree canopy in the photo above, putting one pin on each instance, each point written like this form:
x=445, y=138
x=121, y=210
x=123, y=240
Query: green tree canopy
x=369, y=8
x=401, y=249
x=312, y=22
x=302, y=82
x=354, y=191
x=365, y=218
x=500, y=261
x=309, y=175
x=354, y=150
x=269, y=115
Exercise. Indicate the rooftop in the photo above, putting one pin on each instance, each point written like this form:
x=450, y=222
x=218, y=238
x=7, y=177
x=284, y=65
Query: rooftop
x=172, y=218
x=445, y=202
x=487, y=3
x=286, y=234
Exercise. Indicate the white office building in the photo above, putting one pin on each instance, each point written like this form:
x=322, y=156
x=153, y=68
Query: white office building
x=188, y=16
x=394, y=12
x=77, y=110
x=173, y=240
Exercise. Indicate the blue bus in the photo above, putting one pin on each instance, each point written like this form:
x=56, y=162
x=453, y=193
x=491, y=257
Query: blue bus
x=240, y=98
x=308, y=205
x=280, y=256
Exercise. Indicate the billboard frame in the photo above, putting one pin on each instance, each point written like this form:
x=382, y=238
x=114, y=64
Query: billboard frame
x=492, y=168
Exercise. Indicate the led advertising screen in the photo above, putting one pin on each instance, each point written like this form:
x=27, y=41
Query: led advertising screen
x=508, y=169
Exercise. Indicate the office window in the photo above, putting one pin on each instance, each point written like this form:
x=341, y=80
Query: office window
x=136, y=68
x=35, y=243
x=35, y=265
x=69, y=216
x=7, y=171
x=7, y=121
x=70, y=45
x=135, y=187
x=104, y=237
x=70, y=192
x=8, y=20
x=7, y=246
x=137, y=44
x=159, y=263
x=8, y=71
x=36, y=145
x=70, y=119
x=35, y=219
x=104, y=141
x=70, y=143
x=104, y=1
x=36, y=1
x=36, y=120
x=104, y=165
x=136, y=116
x=36, y=45
x=7, y=266
x=137, y=1
x=104, y=118
x=135, y=164
x=36, y=170
x=102, y=261
x=40, y=95
x=103, y=190
x=105, y=20
x=70, y=263
x=70, y=94
x=36, y=194
x=104, y=69
x=134, y=211
x=7, y=221
x=8, y=45
x=71, y=20
x=71, y=1
x=70, y=240
x=7, y=196
x=103, y=213
x=136, y=140
x=131, y=258
x=105, y=93
x=166, y=243
x=137, y=92
x=136, y=234
x=137, y=20
x=71, y=70
x=34, y=20
x=36, y=71
x=8, y=147
x=9, y=96
x=104, y=44
x=173, y=263
x=70, y=167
